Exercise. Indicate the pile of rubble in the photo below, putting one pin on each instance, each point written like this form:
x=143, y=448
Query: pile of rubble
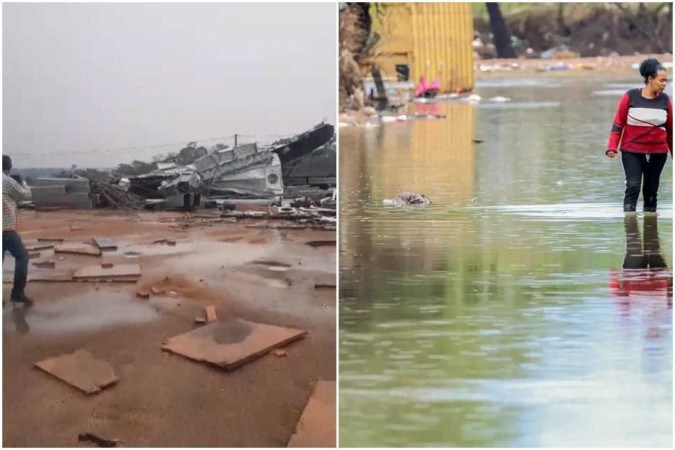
x=245, y=174
x=115, y=197
x=312, y=217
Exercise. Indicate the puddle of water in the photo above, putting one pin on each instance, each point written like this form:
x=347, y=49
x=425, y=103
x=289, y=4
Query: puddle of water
x=508, y=313
x=81, y=313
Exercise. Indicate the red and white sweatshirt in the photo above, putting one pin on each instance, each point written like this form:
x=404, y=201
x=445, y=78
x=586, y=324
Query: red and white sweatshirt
x=646, y=124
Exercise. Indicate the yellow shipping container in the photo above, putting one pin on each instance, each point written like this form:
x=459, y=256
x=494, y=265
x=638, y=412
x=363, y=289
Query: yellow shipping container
x=429, y=38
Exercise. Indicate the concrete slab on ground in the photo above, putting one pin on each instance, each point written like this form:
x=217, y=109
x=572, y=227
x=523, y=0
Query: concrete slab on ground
x=78, y=248
x=105, y=244
x=97, y=271
x=232, y=342
x=82, y=370
x=316, y=427
x=41, y=274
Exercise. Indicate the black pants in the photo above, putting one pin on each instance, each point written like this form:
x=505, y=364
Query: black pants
x=11, y=242
x=639, y=165
x=637, y=256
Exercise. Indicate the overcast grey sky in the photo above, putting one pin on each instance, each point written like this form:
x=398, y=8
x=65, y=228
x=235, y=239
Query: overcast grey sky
x=82, y=79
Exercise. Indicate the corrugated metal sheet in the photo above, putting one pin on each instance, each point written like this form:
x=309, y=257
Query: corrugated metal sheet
x=432, y=38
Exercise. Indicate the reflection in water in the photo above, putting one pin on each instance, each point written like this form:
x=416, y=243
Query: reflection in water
x=485, y=318
x=18, y=316
x=644, y=282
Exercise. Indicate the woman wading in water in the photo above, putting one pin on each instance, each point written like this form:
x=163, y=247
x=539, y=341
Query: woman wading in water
x=643, y=132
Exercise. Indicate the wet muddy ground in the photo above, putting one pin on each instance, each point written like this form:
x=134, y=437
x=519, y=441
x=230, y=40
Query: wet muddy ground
x=161, y=399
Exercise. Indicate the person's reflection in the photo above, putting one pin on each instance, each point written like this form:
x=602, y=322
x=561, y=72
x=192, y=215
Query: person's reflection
x=18, y=316
x=644, y=271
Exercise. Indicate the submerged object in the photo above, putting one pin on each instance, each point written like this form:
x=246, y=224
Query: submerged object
x=407, y=199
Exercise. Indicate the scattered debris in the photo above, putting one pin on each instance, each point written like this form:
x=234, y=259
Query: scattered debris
x=278, y=227
x=320, y=243
x=280, y=353
x=45, y=264
x=105, y=244
x=200, y=320
x=113, y=196
x=210, y=314
x=157, y=290
x=96, y=439
x=230, y=343
x=52, y=276
x=97, y=272
x=407, y=199
x=272, y=265
x=78, y=248
x=82, y=370
x=316, y=427
x=37, y=247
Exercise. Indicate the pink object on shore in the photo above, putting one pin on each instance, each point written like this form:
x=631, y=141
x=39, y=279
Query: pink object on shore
x=421, y=87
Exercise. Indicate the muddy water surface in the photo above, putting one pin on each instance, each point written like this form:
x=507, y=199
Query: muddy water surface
x=509, y=312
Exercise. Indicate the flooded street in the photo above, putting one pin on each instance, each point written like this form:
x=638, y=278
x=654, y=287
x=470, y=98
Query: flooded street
x=500, y=315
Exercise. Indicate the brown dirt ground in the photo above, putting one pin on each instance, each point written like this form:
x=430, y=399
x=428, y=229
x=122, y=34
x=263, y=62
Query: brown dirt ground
x=163, y=399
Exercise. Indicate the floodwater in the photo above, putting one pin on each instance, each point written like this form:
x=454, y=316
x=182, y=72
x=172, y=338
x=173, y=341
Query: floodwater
x=521, y=308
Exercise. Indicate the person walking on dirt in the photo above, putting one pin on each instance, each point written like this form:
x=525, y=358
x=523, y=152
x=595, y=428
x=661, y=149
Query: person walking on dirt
x=12, y=193
x=643, y=132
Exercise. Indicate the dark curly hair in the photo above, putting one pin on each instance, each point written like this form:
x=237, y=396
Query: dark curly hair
x=649, y=68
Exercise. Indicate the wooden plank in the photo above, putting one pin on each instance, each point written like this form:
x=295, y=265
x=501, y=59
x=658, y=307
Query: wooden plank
x=52, y=276
x=210, y=314
x=77, y=248
x=46, y=239
x=230, y=343
x=81, y=370
x=45, y=264
x=316, y=427
x=38, y=247
x=116, y=271
x=320, y=243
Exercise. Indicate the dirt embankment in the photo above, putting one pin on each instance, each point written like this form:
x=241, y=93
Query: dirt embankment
x=587, y=29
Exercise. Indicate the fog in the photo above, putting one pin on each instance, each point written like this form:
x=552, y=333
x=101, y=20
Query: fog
x=101, y=84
